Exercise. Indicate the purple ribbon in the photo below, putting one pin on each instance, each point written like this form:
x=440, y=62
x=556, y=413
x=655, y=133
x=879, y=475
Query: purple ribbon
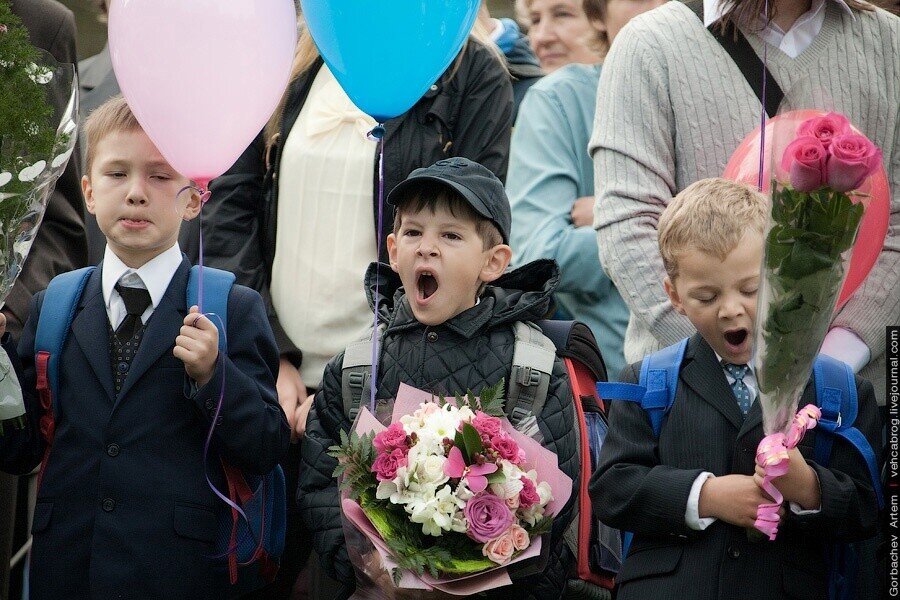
x=377, y=133
x=763, y=116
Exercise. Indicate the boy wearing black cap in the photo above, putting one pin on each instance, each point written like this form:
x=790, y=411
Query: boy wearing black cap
x=449, y=311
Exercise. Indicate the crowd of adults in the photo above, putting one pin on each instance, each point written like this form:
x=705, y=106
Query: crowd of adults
x=594, y=126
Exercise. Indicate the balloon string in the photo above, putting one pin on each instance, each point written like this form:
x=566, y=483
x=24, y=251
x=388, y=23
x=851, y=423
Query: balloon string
x=377, y=133
x=202, y=188
x=762, y=118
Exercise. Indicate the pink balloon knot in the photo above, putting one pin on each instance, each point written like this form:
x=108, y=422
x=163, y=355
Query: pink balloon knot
x=772, y=455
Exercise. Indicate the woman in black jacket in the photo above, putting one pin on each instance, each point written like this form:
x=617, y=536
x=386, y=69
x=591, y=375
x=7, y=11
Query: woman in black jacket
x=285, y=219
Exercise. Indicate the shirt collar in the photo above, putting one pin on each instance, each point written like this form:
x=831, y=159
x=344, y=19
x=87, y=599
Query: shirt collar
x=155, y=273
x=714, y=9
x=751, y=370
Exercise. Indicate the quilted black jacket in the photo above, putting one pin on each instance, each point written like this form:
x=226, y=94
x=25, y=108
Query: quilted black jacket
x=470, y=351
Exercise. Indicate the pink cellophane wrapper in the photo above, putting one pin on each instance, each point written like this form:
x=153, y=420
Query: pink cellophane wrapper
x=539, y=458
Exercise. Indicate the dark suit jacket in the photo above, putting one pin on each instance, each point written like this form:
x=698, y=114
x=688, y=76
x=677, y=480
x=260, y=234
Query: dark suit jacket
x=124, y=509
x=61, y=242
x=642, y=485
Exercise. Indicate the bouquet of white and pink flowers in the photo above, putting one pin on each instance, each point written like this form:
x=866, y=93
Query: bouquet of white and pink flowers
x=449, y=490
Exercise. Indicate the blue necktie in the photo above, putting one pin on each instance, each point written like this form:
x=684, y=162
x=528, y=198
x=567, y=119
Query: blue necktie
x=740, y=389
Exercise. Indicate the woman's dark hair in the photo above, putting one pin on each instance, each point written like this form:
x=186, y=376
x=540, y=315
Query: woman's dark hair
x=595, y=10
x=746, y=11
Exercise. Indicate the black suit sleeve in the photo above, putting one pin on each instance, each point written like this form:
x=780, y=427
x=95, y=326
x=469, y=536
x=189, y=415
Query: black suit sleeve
x=630, y=490
x=253, y=434
x=849, y=510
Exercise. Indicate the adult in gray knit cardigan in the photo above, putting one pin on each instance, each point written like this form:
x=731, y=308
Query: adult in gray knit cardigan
x=671, y=108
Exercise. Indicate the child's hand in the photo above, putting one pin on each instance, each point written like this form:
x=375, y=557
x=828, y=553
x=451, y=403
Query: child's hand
x=198, y=346
x=2, y=324
x=799, y=484
x=733, y=499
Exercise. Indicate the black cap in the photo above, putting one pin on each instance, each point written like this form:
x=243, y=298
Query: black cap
x=476, y=184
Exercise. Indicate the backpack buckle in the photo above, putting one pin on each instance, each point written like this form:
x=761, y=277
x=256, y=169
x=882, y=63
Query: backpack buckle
x=518, y=415
x=356, y=379
x=526, y=376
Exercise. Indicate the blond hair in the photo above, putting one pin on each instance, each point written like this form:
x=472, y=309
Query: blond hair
x=436, y=196
x=306, y=55
x=113, y=116
x=711, y=216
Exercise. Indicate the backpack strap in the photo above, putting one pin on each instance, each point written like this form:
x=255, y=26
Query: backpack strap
x=837, y=399
x=356, y=373
x=656, y=387
x=659, y=375
x=746, y=59
x=57, y=311
x=216, y=289
x=529, y=377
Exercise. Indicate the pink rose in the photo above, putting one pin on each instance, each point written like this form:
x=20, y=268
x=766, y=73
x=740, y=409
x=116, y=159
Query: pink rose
x=386, y=465
x=486, y=425
x=500, y=550
x=390, y=439
x=804, y=159
x=488, y=517
x=853, y=158
x=520, y=537
x=506, y=448
x=529, y=496
x=825, y=128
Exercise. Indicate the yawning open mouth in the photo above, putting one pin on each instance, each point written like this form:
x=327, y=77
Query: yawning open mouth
x=427, y=284
x=736, y=337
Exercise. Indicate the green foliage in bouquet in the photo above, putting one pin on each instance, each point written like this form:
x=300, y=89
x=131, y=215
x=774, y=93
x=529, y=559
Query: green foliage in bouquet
x=355, y=455
x=490, y=401
x=25, y=114
x=810, y=231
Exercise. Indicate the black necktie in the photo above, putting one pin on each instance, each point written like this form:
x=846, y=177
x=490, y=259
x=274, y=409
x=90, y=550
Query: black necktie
x=136, y=302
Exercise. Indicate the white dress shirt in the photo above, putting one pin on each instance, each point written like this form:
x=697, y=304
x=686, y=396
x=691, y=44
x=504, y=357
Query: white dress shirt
x=792, y=42
x=154, y=276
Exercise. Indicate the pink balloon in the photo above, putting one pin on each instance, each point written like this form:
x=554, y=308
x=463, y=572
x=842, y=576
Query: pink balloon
x=743, y=166
x=202, y=76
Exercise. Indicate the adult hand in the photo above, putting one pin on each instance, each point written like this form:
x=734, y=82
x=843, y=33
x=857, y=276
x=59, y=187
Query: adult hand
x=197, y=346
x=733, y=499
x=583, y=212
x=301, y=414
x=800, y=484
x=291, y=393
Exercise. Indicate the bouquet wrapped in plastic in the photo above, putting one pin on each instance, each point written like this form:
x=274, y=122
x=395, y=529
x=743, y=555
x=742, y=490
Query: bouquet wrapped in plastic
x=38, y=111
x=449, y=495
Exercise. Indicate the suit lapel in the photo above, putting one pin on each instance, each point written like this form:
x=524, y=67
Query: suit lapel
x=161, y=330
x=705, y=376
x=90, y=328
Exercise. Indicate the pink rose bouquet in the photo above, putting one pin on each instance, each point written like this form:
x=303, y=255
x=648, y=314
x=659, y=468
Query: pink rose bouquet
x=814, y=220
x=449, y=493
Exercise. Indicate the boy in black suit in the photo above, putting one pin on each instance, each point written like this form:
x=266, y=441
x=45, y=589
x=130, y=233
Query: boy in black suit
x=124, y=509
x=691, y=495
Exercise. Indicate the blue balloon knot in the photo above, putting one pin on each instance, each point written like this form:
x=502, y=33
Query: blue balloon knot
x=377, y=133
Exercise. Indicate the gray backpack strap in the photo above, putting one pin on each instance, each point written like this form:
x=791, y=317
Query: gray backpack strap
x=529, y=378
x=356, y=374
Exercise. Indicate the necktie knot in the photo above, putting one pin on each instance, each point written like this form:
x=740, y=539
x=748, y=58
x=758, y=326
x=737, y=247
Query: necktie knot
x=136, y=300
x=737, y=371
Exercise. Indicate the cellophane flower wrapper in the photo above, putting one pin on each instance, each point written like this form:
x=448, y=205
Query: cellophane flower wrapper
x=37, y=139
x=812, y=226
x=367, y=522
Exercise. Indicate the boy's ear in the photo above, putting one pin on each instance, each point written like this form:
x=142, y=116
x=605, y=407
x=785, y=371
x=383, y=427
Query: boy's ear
x=672, y=293
x=193, y=206
x=88, y=192
x=497, y=261
x=392, y=252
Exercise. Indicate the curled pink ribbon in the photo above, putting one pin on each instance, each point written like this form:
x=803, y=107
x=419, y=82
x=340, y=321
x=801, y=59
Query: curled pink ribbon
x=772, y=456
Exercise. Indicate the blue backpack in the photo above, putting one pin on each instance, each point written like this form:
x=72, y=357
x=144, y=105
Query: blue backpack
x=258, y=539
x=836, y=397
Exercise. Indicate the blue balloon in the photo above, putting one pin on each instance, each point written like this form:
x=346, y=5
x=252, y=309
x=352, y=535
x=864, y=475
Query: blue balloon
x=386, y=54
